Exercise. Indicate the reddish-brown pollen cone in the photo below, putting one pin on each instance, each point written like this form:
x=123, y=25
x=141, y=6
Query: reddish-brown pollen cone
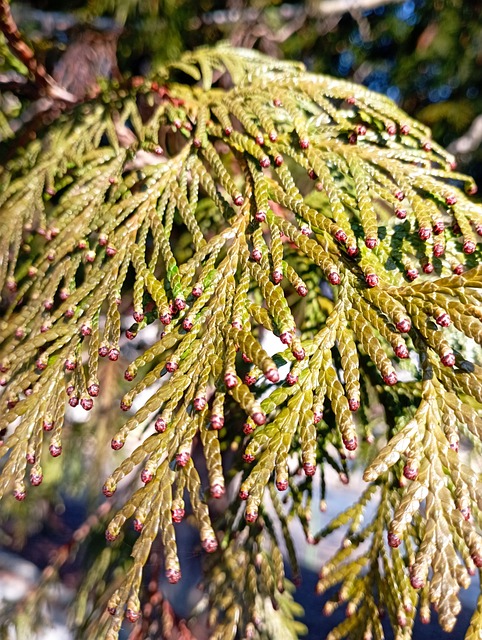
x=448, y=360
x=393, y=540
x=372, y=280
x=259, y=418
x=350, y=444
x=217, y=422
x=403, y=325
x=401, y=351
x=443, y=319
x=177, y=515
x=417, y=582
x=412, y=274
x=309, y=469
x=425, y=233
x=272, y=375
x=133, y=616
x=173, y=575
x=116, y=444
x=410, y=472
x=390, y=378
x=353, y=404
x=230, y=380
x=282, y=485
x=146, y=476
x=160, y=425
x=217, y=491
x=183, y=458
x=209, y=545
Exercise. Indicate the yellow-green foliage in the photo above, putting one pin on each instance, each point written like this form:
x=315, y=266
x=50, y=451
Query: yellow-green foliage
x=289, y=204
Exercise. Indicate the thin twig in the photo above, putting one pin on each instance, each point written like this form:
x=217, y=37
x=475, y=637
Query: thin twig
x=20, y=49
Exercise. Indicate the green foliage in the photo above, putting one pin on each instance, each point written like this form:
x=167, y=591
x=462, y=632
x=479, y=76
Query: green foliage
x=228, y=198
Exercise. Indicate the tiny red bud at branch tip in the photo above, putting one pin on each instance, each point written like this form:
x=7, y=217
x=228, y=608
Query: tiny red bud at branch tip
x=282, y=485
x=173, y=575
x=401, y=351
x=448, y=360
x=259, y=418
x=86, y=403
x=183, y=458
x=217, y=422
x=116, y=444
x=265, y=162
x=160, y=425
x=248, y=457
x=291, y=379
x=390, y=378
x=403, y=325
x=309, y=469
x=272, y=375
x=133, y=616
x=424, y=233
x=199, y=403
x=299, y=353
x=409, y=472
x=55, y=450
x=209, y=545
x=353, y=404
x=350, y=444
x=334, y=278
x=19, y=495
x=177, y=515
x=412, y=274
x=393, y=540
x=371, y=243
x=146, y=476
x=249, y=380
x=372, y=279
x=443, y=319
x=469, y=246
x=217, y=491
x=251, y=516
x=230, y=380
x=417, y=582
x=286, y=337
x=450, y=199
x=438, y=250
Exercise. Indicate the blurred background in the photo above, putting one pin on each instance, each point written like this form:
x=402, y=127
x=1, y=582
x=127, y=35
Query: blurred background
x=425, y=55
